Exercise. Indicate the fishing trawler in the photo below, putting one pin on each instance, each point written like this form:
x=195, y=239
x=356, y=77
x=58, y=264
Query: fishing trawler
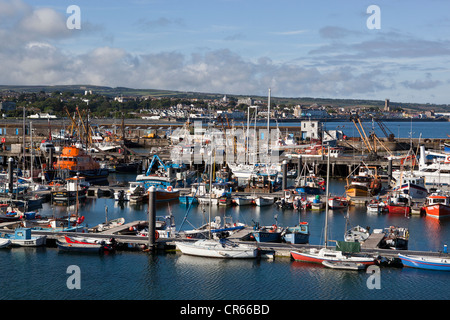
x=367, y=183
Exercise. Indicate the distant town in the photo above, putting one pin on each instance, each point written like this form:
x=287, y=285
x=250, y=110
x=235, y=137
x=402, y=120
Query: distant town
x=54, y=104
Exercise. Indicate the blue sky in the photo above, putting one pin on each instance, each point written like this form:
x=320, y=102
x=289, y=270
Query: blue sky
x=297, y=48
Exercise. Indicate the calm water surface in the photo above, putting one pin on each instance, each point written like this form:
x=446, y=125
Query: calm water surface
x=40, y=273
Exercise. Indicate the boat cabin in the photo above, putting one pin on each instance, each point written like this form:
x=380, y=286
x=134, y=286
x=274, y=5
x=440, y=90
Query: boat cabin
x=438, y=199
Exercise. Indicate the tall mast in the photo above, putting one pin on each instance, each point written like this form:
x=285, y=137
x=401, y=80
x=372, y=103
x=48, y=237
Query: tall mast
x=326, y=197
x=268, y=124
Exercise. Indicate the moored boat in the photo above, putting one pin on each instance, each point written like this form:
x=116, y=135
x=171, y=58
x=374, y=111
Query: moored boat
x=296, y=235
x=222, y=248
x=264, y=201
x=438, y=205
x=424, y=262
x=22, y=237
x=337, y=203
x=399, y=203
x=327, y=254
x=267, y=233
x=344, y=265
x=77, y=162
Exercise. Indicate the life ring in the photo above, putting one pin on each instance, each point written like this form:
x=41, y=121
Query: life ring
x=156, y=235
x=169, y=188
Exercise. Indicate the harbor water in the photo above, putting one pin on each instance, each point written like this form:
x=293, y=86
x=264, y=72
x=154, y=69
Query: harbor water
x=42, y=273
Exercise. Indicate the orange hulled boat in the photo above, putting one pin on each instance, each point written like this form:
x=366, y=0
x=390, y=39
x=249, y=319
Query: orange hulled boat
x=78, y=162
x=438, y=205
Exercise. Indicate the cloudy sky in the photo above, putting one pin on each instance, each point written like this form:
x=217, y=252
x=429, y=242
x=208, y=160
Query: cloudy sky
x=297, y=48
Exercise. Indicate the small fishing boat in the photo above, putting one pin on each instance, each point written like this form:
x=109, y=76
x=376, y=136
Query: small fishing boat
x=107, y=244
x=264, y=201
x=438, y=205
x=22, y=237
x=375, y=206
x=167, y=194
x=344, y=265
x=267, y=233
x=356, y=234
x=395, y=238
x=296, y=235
x=4, y=243
x=244, y=200
x=423, y=262
x=78, y=247
x=399, y=203
x=337, y=203
x=222, y=248
x=327, y=254
x=109, y=224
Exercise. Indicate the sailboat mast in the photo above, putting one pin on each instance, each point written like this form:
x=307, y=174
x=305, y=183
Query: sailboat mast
x=326, y=197
x=268, y=123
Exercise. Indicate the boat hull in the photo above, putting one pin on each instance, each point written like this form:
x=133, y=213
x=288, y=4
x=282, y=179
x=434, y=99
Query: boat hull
x=429, y=263
x=437, y=211
x=357, y=191
x=399, y=209
x=264, y=201
x=165, y=195
x=319, y=256
x=213, y=249
x=296, y=238
x=267, y=236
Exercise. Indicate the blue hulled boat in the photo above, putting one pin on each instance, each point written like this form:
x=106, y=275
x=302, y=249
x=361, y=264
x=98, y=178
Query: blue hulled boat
x=267, y=233
x=423, y=262
x=297, y=235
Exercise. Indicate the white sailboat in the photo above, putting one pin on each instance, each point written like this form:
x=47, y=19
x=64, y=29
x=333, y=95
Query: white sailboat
x=325, y=253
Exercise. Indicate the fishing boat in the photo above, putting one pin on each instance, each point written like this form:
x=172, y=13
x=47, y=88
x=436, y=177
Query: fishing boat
x=22, y=237
x=399, y=203
x=4, y=243
x=395, y=238
x=264, y=201
x=317, y=203
x=166, y=194
x=79, y=247
x=411, y=185
x=77, y=162
x=135, y=187
x=344, y=265
x=337, y=203
x=438, y=205
x=375, y=206
x=74, y=188
x=108, y=224
x=356, y=234
x=267, y=233
x=222, y=248
x=365, y=184
x=198, y=189
x=107, y=244
x=244, y=200
x=296, y=235
x=434, y=167
x=326, y=254
x=424, y=262
x=344, y=251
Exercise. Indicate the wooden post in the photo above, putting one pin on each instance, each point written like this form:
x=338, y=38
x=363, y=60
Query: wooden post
x=151, y=217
